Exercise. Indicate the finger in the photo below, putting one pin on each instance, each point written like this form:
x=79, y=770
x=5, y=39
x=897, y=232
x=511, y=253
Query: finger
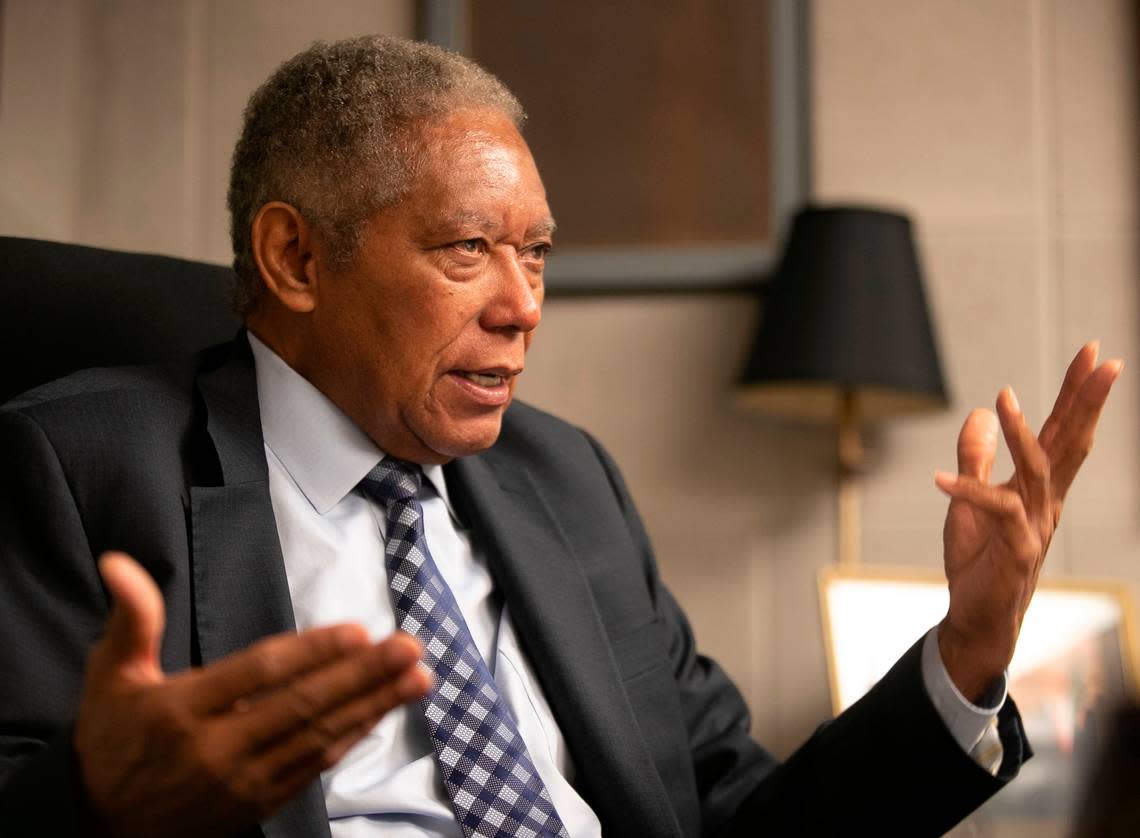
x=353, y=719
x=266, y=666
x=977, y=444
x=312, y=702
x=1029, y=458
x=1082, y=365
x=1074, y=439
x=317, y=747
x=280, y=781
x=290, y=775
x=133, y=634
x=274, y=774
x=997, y=500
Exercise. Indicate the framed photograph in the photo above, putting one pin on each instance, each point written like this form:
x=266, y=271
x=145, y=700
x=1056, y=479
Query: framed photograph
x=672, y=137
x=1075, y=664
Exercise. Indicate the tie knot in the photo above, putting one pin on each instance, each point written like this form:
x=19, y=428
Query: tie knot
x=393, y=480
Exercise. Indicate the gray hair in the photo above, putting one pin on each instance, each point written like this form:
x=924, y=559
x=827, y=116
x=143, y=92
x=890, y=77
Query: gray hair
x=333, y=133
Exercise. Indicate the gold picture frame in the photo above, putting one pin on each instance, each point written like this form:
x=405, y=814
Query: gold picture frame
x=1076, y=661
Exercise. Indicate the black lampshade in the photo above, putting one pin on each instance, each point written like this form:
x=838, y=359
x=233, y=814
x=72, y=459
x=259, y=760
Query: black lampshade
x=845, y=313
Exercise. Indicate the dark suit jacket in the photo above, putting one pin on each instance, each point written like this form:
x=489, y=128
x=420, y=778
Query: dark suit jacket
x=168, y=464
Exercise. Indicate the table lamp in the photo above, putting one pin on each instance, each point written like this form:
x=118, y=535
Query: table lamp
x=845, y=337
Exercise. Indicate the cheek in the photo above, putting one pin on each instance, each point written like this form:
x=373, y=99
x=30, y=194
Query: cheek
x=433, y=350
x=452, y=324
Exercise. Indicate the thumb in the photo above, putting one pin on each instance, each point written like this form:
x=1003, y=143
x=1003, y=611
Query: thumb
x=133, y=633
x=977, y=444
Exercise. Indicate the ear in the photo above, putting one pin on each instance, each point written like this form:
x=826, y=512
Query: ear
x=283, y=247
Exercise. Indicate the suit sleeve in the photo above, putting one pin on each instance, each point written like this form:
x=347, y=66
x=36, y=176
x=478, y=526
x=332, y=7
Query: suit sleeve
x=888, y=765
x=52, y=608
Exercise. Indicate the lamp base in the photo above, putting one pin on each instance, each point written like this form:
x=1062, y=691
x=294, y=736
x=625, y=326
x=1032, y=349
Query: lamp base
x=849, y=463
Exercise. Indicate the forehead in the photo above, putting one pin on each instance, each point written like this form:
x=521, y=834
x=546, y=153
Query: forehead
x=469, y=132
x=473, y=168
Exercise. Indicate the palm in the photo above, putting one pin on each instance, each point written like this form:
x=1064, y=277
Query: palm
x=996, y=536
x=968, y=540
x=977, y=551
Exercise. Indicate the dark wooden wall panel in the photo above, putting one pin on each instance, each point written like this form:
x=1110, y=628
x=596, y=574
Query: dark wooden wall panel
x=648, y=118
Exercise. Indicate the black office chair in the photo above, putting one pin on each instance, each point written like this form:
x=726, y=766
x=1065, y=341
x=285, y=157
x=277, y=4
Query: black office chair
x=68, y=307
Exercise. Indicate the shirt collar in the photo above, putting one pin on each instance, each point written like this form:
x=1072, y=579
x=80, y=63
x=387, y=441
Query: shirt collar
x=325, y=453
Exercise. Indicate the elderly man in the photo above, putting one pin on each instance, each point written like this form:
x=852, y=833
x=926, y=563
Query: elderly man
x=369, y=569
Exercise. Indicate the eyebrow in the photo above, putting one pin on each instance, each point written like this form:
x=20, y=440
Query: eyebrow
x=546, y=227
x=466, y=219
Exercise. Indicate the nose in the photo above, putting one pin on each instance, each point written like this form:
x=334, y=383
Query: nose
x=516, y=304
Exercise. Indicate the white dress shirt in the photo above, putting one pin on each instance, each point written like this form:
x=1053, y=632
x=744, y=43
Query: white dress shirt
x=332, y=540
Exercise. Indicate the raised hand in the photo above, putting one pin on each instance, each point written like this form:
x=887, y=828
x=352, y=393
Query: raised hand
x=996, y=537
x=214, y=749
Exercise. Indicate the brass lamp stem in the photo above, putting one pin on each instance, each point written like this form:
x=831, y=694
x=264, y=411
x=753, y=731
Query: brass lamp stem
x=849, y=461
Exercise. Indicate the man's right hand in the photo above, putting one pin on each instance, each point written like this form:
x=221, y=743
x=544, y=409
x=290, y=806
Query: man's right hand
x=218, y=748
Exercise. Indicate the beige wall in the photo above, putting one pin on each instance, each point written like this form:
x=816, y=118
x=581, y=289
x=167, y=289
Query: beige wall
x=117, y=118
x=1007, y=128
x=1009, y=131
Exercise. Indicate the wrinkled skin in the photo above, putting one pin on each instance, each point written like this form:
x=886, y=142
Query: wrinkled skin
x=996, y=537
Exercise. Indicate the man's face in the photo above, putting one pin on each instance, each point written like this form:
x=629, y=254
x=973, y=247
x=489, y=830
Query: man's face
x=421, y=340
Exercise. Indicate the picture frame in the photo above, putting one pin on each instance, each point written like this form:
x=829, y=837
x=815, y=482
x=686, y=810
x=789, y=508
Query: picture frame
x=580, y=270
x=1076, y=662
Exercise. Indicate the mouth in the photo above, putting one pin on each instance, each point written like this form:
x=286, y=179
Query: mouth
x=483, y=379
x=489, y=387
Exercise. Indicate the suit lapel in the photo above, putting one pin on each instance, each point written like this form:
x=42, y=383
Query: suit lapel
x=558, y=623
x=241, y=593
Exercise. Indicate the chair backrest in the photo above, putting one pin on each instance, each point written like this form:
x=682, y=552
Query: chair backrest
x=67, y=307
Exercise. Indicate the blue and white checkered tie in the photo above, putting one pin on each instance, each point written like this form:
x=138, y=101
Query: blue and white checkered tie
x=494, y=787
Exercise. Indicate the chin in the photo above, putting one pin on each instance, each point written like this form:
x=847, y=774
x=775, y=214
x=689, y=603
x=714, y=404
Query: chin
x=463, y=438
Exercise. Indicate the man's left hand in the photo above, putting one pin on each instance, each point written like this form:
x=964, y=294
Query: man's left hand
x=996, y=537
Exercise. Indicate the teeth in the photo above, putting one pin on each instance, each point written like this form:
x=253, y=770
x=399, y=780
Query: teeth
x=483, y=380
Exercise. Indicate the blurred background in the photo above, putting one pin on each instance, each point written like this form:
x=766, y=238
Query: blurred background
x=1006, y=129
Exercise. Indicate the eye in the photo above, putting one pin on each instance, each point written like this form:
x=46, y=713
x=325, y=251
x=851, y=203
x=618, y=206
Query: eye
x=539, y=252
x=473, y=247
